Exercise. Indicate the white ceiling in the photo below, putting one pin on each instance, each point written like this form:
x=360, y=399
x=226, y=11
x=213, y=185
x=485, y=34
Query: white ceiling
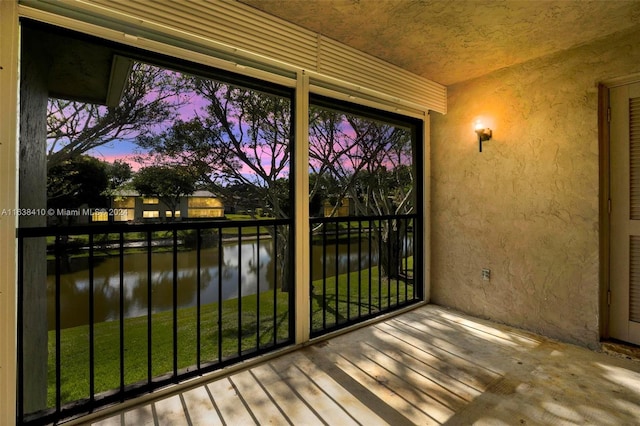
x=455, y=40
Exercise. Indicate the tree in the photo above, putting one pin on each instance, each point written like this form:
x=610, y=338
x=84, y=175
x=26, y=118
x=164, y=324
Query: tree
x=77, y=181
x=369, y=161
x=151, y=97
x=119, y=172
x=322, y=188
x=167, y=183
x=341, y=146
x=242, y=137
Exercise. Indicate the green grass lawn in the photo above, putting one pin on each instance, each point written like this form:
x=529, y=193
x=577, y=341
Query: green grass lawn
x=354, y=295
x=74, y=343
x=346, y=298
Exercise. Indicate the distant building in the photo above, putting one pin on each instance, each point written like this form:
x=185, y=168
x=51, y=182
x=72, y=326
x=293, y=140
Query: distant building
x=343, y=207
x=129, y=206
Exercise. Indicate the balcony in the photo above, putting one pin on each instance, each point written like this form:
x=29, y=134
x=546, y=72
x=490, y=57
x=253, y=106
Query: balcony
x=428, y=366
x=128, y=309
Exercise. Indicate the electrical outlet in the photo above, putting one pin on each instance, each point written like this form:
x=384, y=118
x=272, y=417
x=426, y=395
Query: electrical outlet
x=486, y=274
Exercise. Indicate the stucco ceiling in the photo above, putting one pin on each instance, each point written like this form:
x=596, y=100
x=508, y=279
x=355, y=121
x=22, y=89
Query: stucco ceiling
x=453, y=41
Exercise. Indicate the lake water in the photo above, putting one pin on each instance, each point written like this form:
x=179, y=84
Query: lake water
x=245, y=270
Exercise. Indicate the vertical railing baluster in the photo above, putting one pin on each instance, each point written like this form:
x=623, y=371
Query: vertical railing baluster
x=92, y=382
x=121, y=304
x=359, y=268
x=239, y=290
x=398, y=266
x=198, y=295
x=324, y=275
x=405, y=249
x=404, y=255
x=149, y=311
x=415, y=263
x=389, y=265
x=370, y=265
x=380, y=242
x=58, y=254
x=348, y=270
x=258, y=289
x=276, y=284
x=175, y=302
x=220, y=261
x=337, y=248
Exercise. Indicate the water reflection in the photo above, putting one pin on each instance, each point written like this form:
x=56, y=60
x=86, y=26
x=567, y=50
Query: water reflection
x=244, y=270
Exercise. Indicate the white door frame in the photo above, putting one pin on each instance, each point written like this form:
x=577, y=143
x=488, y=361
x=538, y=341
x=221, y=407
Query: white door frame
x=604, y=143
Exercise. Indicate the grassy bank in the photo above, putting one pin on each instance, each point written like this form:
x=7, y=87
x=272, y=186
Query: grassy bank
x=74, y=343
x=344, y=298
x=360, y=293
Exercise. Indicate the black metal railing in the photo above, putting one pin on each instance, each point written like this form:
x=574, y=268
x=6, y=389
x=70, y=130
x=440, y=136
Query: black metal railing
x=130, y=308
x=362, y=266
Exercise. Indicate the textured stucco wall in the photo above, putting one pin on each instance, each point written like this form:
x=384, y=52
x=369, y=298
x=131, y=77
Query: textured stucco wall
x=527, y=206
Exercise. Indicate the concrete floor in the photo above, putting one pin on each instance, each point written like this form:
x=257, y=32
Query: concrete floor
x=427, y=366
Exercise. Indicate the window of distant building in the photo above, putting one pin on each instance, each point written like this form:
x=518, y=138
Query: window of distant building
x=202, y=207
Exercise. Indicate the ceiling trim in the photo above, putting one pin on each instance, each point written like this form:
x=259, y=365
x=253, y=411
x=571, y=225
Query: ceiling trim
x=247, y=37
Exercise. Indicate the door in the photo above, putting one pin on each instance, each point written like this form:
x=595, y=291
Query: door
x=625, y=213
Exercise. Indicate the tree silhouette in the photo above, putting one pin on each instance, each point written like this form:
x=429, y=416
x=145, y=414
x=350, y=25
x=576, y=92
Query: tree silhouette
x=151, y=97
x=369, y=161
x=167, y=183
x=78, y=181
x=241, y=138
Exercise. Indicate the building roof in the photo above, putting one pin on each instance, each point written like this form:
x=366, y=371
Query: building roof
x=134, y=193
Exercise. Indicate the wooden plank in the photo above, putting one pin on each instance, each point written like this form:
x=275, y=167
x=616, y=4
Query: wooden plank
x=298, y=411
x=201, y=408
x=406, y=361
x=413, y=404
x=325, y=394
x=232, y=409
x=167, y=411
x=260, y=404
x=444, y=356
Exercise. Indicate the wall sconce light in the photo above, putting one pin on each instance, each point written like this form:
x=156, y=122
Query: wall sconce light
x=483, y=134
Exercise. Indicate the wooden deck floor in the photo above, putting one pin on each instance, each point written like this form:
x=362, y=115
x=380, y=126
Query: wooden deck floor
x=429, y=366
